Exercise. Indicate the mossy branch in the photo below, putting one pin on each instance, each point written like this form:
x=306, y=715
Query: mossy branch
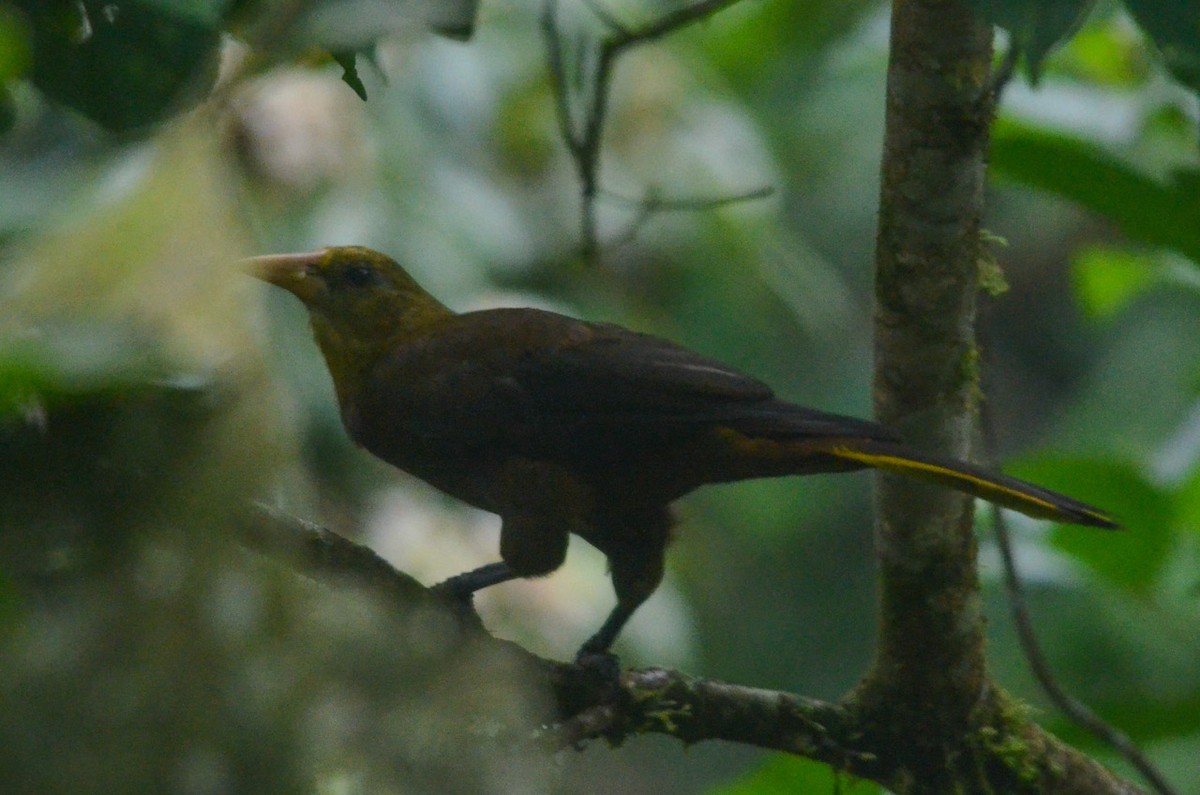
x=1004, y=752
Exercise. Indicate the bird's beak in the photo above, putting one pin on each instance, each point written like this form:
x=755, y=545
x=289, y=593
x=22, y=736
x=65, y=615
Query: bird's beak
x=299, y=274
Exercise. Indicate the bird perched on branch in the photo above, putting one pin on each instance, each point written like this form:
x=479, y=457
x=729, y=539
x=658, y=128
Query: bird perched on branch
x=562, y=426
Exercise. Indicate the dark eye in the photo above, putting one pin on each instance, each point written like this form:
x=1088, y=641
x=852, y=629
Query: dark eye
x=360, y=276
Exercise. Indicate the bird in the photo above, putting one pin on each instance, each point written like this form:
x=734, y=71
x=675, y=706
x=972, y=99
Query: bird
x=568, y=427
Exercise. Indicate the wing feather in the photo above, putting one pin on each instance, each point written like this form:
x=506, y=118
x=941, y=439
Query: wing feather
x=536, y=381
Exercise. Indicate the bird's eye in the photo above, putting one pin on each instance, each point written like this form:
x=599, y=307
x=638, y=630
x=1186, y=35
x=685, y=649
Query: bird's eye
x=360, y=276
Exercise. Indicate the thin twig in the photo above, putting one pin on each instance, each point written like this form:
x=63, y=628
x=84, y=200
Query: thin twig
x=558, y=79
x=583, y=145
x=583, y=136
x=669, y=23
x=1073, y=708
x=1003, y=73
x=651, y=204
x=658, y=204
x=604, y=15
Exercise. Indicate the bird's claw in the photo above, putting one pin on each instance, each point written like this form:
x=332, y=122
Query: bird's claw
x=603, y=666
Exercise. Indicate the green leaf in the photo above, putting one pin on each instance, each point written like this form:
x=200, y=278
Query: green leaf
x=1132, y=558
x=15, y=55
x=1174, y=25
x=1143, y=719
x=1036, y=26
x=125, y=65
x=346, y=60
x=787, y=775
x=1189, y=505
x=355, y=24
x=1107, y=54
x=209, y=13
x=67, y=361
x=1146, y=209
x=1107, y=279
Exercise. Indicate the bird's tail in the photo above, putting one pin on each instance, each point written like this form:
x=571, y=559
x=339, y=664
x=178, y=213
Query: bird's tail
x=1002, y=490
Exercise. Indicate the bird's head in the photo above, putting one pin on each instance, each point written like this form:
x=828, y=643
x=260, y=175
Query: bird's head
x=360, y=301
x=353, y=290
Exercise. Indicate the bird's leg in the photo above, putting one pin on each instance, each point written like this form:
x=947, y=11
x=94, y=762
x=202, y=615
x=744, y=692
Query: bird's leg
x=635, y=577
x=595, y=654
x=637, y=570
x=463, y=586
x=458, y=590
x=602, y=641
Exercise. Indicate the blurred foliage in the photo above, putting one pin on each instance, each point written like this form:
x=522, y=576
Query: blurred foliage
x=1107, y=278
x=128, y=64
x=1132, y=560
x=139, y=414
x=186, y=665
x=140, y=642
x=1038, y=26
x=1147, y=210
x=1175, y=29
x=124, y=65
x=782, y=774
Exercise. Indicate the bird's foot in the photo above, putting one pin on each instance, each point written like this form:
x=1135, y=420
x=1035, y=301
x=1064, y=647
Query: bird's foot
x=602, y=666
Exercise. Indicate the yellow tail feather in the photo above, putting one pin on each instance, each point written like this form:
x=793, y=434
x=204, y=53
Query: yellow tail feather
x=1008, y=492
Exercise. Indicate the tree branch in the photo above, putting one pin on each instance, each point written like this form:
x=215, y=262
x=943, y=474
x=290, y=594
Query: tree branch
x=324, y=556
x=657, y=701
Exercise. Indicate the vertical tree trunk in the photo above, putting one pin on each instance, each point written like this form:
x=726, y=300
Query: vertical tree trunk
x=929, y=699
x=938, y=114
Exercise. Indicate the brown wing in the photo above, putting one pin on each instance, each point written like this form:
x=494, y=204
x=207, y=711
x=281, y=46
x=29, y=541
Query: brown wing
x=538, y=383
x=614, y=377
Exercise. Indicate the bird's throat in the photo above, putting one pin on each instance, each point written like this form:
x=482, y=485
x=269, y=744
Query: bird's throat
x=349, y=357
x=353, y=346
